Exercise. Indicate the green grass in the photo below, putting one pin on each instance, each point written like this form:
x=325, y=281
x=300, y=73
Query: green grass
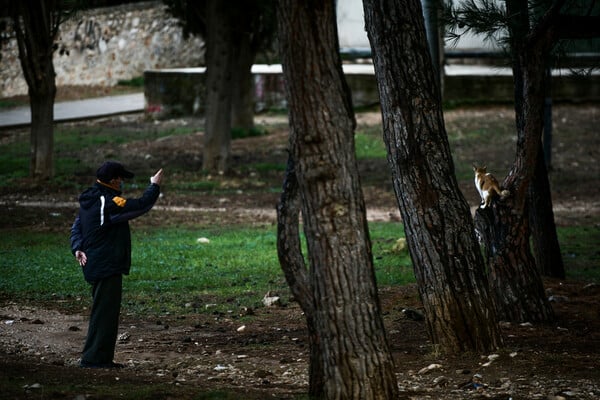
x=69, y=143
x=581, y=255
x=137, y=82
x=369, y=145
x=4, y=103
x=173, y=272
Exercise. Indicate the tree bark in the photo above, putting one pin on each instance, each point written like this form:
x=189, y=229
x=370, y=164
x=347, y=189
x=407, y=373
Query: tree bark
x=447, y=261
x=36, y=27
x=544, y=239
x=296, y=274
x=220, y=61
x=242, y=106
x=41, y=102
x=515, y=281
x=355, y=359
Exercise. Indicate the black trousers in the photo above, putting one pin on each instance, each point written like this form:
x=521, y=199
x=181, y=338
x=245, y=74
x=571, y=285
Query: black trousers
x=104, y=321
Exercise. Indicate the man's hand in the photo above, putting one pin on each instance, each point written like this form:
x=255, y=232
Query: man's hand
x=81, y=257
x=157, y=178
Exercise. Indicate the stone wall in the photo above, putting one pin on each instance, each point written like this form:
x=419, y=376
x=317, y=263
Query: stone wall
x=105, y=45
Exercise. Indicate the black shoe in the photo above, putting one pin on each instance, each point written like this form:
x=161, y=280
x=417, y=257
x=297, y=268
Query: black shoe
x=110, y=365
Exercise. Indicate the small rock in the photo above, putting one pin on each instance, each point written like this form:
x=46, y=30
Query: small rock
x=244, y=311
x=270, y=301
x=415, y=315
x=440, y=381
x=241, y=328
x=261, y=373
x=33, y=386
x=202, y=240
x=123, y=337
x=429, y=368
x=558, y=299
x=591, y=287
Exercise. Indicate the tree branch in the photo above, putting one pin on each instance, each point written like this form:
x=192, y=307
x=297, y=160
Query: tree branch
x=289, y=248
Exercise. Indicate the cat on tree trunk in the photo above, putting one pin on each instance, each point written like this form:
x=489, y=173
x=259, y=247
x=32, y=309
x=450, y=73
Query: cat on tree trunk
x=531, y=31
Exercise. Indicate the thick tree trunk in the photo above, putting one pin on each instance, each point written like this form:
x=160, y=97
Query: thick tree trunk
x=355, y=358
x=220, y=60
x=448, y=264
x=41, y=102
x=515, y=281
x=242, y=106
x=514, y=278
x=544, y=239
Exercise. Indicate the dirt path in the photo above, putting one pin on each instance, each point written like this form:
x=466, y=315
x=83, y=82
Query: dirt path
x=266, y=354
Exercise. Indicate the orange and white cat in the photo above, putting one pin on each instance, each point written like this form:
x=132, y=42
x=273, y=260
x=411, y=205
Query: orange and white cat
x=487, y=186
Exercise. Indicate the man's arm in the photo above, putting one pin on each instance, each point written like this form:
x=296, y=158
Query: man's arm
x=127, y=209
x=76, y=235
x=76, y=241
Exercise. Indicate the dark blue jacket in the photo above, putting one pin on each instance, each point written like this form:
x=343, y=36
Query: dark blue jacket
x=101, y=229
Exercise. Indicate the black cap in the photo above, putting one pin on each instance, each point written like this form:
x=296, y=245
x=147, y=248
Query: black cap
x=111, y=170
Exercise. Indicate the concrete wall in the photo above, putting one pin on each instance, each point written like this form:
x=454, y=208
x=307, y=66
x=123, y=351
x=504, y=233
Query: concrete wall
x=176, y=92
x=106, y=45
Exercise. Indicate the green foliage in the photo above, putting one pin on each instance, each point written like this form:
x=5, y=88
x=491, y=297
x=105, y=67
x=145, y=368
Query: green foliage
x=479, y=17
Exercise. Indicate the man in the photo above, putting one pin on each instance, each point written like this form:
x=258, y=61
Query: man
x=101, y=243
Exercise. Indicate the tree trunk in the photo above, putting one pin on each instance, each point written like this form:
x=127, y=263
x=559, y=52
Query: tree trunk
x=516, y=283
x=447, y=261
x=36, y=26
x=242, y=107
x=220, y=61
x=41, y=101
x=544, y=239
x=355, y=358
